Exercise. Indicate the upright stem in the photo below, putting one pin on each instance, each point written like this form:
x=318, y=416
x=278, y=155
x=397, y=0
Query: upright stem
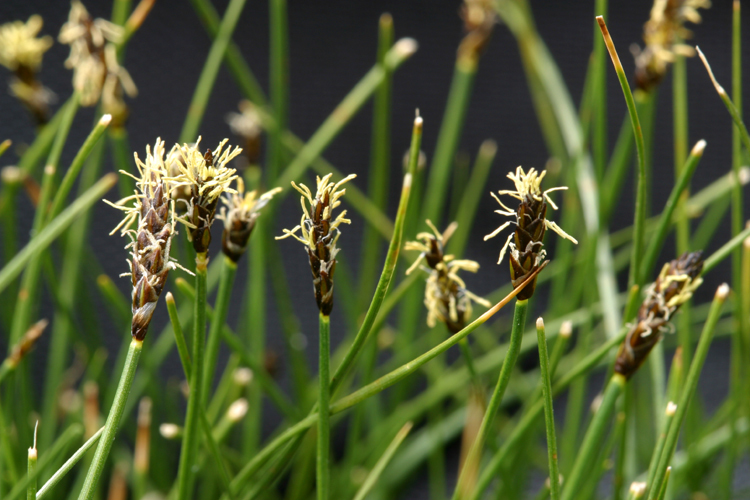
x=590, y=446
x=31, y=489
x=323, y=473
x=228, y=271
x=113, y=421
x=191, y=435
x=464, y=490
x=549, y=417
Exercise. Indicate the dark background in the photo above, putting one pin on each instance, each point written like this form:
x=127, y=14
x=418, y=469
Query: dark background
x=332, y=45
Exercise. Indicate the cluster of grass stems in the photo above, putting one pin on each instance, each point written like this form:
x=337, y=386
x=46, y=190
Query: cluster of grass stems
x=383, y=440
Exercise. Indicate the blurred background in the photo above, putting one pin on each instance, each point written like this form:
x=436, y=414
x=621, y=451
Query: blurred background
x=332, y=45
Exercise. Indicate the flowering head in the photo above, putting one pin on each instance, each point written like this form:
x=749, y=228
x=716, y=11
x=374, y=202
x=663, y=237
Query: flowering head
x=20, y=49
x=239, y=215
x=319, y=232
x=446, y=296
x=663, y=34
x=93, y=59
x=151, y=241
x=21, y=52
x=673, y=287
x=206, y=175
x=526, y=242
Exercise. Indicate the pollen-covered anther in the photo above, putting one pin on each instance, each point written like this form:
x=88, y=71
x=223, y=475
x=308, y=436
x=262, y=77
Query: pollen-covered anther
x=526, y=242
x=319, y=232
x=446, y=297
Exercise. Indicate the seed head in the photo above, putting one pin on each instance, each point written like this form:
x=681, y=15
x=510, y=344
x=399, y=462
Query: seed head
x=207, y=176
x=19, y=45
x=93, y=58
x=663, y=34
x=151, y=241
x=674, y=286
x=527, y=248
x=445, y=295
x=319, y=232
x=239, y=215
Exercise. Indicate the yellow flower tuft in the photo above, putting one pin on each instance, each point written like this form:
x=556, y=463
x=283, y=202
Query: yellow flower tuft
x=19, y=45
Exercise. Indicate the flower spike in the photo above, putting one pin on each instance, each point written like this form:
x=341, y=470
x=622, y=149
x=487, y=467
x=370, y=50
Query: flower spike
x=673, y=287
x=445, y=296
x=526, y=242
x=151, y=241
x=239, y=214
x=319, y=232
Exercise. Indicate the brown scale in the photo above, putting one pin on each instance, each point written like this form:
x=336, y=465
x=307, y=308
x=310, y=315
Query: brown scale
x=321, y=263
x=529, y=233
x=654, y=314
x=147, y=264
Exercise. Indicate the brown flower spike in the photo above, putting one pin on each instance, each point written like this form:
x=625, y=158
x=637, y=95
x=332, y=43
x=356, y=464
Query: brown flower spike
x=673, y=287
x=663, y=34
x=206, y=176
x=151, y=241
x=445, y=296
x=320, y=232
x=527, y=248
x=239, y=214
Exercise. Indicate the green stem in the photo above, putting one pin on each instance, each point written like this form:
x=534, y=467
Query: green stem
x=345, y=111
x=376, y=471
x=549, y=417
x=278, y=82
x=390, y=261
x=31, y=469
x=68, y=291
x=191, y=438
x=665, y=220
x=187, y=368
x=691, y=382
x=640, y=201
x=324, y=431
x=47, y=235
x=659, y=447
x=71, y=434
x=380, y=163
x=448, y=137
x=179, y=336
x=113, y=421
x=464, y=490
x=247, y=82
x=75, y=167
x=472, y=195
x=369, y=390
x=210, y=70
x=221, y=307
x=69, y=464
x=590, y=446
